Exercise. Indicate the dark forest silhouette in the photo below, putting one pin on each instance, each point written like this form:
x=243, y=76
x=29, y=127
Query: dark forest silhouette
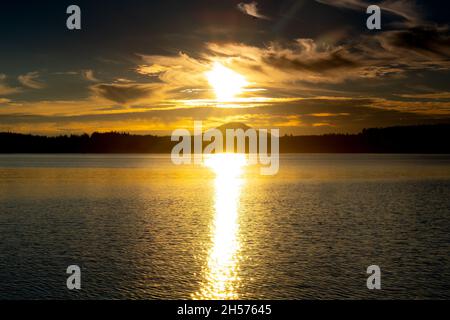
x=406, y=139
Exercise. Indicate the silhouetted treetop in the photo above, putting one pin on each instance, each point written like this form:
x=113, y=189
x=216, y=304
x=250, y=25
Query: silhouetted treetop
x=402, y=139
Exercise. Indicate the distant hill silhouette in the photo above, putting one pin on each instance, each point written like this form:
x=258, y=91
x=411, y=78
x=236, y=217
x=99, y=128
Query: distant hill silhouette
x=404, y=139
x=233, y=125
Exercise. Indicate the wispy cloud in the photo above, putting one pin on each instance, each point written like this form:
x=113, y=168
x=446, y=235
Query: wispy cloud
x=406, y=9
x=67, y=73
x=428, y=96
x=154, y=69
x=30, y=80
x=89, y=75
x=252, y=10
x=417, y=107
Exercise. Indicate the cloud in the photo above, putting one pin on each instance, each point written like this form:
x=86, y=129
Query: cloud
x=123, y=80
x=68, y=73
x=272, y=66
x=403, y=8
x=154, y=69
x=89, y=75
x=327, y=114
x=406, y=9
x=428, y=96
x=289, y=66
x=178, y=70
x=126, y=93
x=303, y=60
x=29, y=80
x=309, y=59
x=417, y=107
x=5, y=89
x=427, y=43
x=252, y=10
x=308, y=116
x=350, y=4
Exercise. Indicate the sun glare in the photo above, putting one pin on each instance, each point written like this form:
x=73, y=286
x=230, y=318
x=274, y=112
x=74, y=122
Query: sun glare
x=221, y=276
x=227, y=165
x=226, y=83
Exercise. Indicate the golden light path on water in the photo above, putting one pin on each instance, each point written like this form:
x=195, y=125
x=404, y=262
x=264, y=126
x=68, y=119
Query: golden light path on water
x=222, y=275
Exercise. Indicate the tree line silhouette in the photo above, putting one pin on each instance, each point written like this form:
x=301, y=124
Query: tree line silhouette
x=401, y=139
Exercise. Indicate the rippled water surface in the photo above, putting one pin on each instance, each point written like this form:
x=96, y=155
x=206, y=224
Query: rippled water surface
x=142, y=228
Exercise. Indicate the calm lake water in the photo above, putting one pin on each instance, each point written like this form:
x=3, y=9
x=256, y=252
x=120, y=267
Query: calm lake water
x=142, y=228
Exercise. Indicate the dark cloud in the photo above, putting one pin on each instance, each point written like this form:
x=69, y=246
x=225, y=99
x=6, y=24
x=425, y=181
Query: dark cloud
x=430, y=41
x=124, y=93
x=322, y=64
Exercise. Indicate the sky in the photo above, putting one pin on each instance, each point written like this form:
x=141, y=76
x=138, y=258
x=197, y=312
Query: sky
x=302, y=66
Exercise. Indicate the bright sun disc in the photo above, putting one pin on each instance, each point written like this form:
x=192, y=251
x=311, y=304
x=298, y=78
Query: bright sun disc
x=226, y=83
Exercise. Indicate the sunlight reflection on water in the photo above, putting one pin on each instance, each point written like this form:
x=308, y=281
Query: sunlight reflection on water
x=222, y=274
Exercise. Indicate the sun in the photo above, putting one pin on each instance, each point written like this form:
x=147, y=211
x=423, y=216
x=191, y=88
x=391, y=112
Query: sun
x=227, y=83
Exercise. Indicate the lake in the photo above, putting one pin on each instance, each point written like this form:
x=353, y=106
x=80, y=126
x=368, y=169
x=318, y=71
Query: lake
x=140, y=227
